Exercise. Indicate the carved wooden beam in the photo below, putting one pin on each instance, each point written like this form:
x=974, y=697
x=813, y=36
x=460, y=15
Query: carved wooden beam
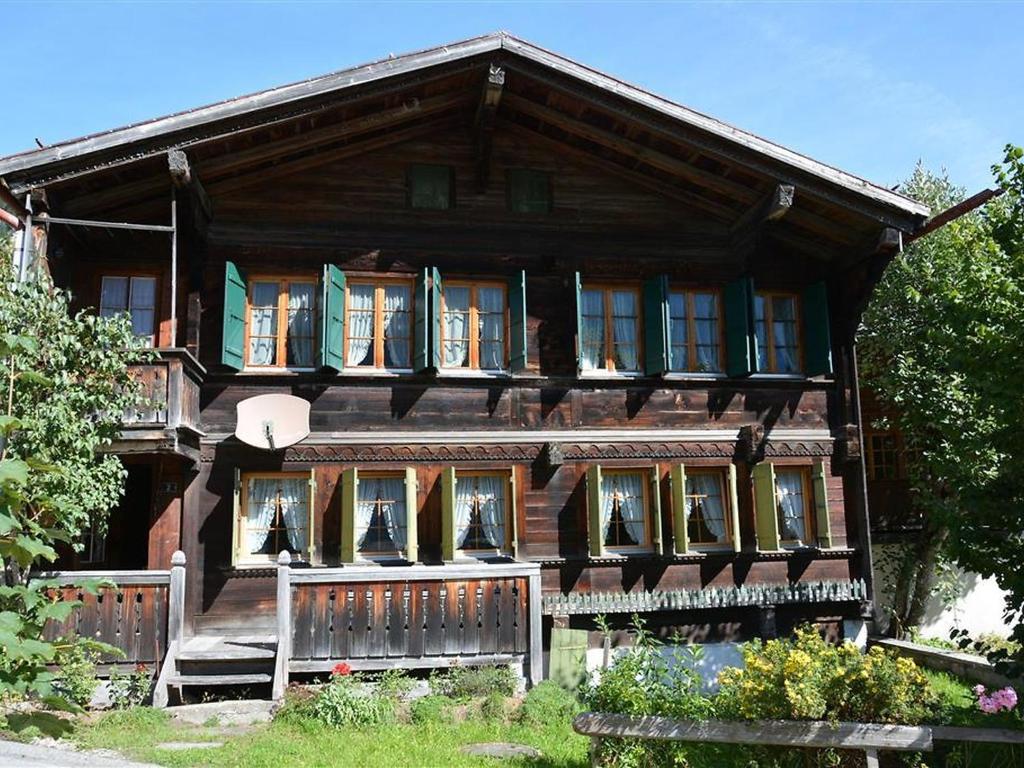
x=184, y=178
x=486, y=116
x=746, y=232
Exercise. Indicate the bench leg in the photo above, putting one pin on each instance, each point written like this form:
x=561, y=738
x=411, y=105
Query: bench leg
x=872, y=758
x=594, y=741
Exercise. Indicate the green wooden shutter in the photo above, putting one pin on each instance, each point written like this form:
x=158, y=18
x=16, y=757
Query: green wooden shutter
x=765, y=507
x=232, y=351
x=819, y=486
x=448, y=482
x=734, y=508
x=236, y=509
x=659, y=545
x=435, y=317
x=517, y=321
x=656, y=346
x=579, y=322
x=332, y=318
x=680, y=531
x=741, y=346
x=513, y=507
x=349, y=490
x=412, y=549
x=310, y=508
x=817, y=334
x=594, y=527
x=421, y=321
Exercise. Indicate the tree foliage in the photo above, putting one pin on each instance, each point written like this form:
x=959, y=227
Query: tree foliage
x=941, y=346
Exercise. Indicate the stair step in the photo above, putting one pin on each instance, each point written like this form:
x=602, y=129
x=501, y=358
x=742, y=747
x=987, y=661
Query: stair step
x=226, y=653
x=254, y=679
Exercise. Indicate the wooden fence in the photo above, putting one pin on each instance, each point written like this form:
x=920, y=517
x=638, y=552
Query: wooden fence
x=415, y=616
x=129, y=613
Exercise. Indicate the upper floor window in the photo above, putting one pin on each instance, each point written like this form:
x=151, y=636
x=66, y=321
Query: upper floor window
x=94, y=544
x=609, y=329
x=473, y=326
x=134, y=295
x=777, y=332
x=624, y=515
x=794, y=503
x=280, y=329
x=379, y=325
x=528, y=191
x=481, y=512
x=431, y=187
x=707, y=518
x=275, y=516
x=694, y=331
x=883, y=456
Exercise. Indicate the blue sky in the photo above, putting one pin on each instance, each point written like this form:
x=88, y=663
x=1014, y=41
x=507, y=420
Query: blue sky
x=869, y=87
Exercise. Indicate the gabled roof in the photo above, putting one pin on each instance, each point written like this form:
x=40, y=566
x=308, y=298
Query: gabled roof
x=146, y=138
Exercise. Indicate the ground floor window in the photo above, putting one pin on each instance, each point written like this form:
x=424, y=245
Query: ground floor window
x=478, y=513
x=624, y=510
x=707, y=507
x=274, y=516
x=381, y=515
x=793, y=501
x=791, y=505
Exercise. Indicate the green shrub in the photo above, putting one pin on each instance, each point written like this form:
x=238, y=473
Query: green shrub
x=394, y=684
x=431, y=709
x=809, y=679
x=494, y=707
x=131, y=690
x=547, y=703
x=76, y=672
x=473, y=682
x=346, y=701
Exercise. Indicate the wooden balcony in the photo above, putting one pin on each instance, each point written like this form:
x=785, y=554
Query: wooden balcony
x=167, y=421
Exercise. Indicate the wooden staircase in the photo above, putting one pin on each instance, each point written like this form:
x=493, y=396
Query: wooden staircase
x=220, y=660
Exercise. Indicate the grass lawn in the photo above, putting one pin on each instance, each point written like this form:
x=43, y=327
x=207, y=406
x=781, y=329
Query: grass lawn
x=135, y=733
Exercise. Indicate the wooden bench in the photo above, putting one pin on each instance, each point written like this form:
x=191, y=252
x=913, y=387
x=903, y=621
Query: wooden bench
x=871, y=738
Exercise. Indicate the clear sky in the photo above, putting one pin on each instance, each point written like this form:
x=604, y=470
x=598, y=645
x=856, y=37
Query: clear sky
x=868, y=87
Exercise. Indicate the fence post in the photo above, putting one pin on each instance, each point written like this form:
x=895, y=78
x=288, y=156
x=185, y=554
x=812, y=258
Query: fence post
x=176, y=599
x=284, y=624
x=536, y=652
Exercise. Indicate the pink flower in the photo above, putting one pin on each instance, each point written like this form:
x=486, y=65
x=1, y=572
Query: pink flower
x=1002, y=700
x=341, y=669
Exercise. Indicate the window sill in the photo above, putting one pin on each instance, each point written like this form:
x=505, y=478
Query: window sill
x=777, y=376
x=698, y=375
x=461, y=373
x=376, y=372
x=275, y=370
x=614, y=557
x=601, y=373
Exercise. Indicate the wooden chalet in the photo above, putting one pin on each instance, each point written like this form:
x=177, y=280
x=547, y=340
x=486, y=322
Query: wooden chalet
x=569, y=349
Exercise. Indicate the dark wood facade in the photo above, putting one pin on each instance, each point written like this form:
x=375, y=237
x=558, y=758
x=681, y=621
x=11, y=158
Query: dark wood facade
x=639, y=188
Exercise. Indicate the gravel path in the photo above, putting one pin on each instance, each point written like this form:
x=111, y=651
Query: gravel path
x=16, y=755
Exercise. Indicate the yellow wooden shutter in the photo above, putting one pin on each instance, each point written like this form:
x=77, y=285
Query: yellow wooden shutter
x=734, y=508
x=513, y=507
x=412, y=550
x=239, y=524
x=448, y=513
x=656, y=509
x=765, y=507
x=349, y=486
x=681, y=534
x=819, y=485
x=595, y=529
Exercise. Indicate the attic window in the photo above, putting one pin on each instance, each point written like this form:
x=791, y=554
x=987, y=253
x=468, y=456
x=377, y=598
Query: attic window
x=431, y=187
x=529, y=191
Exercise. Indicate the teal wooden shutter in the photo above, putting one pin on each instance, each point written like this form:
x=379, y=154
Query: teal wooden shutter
x=332, y=318
x=656, y=325
x=421, y=321
x=232, y=351
x=741, y=346
x=517, y=321
x=579, y=322
x=435, y=317
x=817, y=335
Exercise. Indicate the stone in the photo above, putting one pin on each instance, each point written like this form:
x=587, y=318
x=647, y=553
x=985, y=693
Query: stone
x=244, y=712
x=500, y=750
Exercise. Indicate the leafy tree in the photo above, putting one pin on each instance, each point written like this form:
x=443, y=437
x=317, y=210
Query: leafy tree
x=66, y=385
x=941, y=345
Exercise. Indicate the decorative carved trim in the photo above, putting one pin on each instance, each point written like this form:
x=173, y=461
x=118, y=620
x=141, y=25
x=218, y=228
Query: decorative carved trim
x=848, y=444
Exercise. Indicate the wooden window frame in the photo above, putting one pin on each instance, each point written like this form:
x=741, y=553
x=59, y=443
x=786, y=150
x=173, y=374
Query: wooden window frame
x=771, y=364
x=379, y=285
x=723, y=480
x=607, y=289
x=810, y=522
x=691, y=329
x=246, y=559
x=90, y=539
x=647, y=546
x=281, y=349
x=155, y=277
x=506, y=549
x=511, y=173
x=474, y=324
x=410, y=175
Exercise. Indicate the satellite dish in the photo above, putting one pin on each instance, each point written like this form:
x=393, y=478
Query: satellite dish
x=272, y=421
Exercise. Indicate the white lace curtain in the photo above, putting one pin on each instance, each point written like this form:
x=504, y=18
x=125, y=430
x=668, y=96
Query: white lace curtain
x=360, y=318
x=790, y=496
x=491, y=306
x=465, y=493
x=491, y=495
x=261, y=507
x=677, y=332
x=628, y=491
x=592, y=332
x=396, y=326
x=389, y=492
x=624, y=327
x=784, y=334
x=295, y=510
x=456, y=326
x=708, y=489
x=705, y=310
x=301, y=298
x=263, y=324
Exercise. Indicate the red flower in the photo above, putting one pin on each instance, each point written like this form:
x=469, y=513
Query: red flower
x=141, y=668
x=341, y=669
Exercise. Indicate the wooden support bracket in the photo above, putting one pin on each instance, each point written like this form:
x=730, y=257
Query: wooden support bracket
x=486, y=116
